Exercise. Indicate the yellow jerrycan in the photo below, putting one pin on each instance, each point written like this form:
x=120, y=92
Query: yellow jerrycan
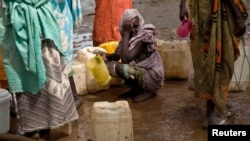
x=99, y=70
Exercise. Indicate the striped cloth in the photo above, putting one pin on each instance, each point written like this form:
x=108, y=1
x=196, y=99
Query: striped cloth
x=54, y=105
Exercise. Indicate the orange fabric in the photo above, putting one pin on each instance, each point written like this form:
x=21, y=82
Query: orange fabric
x=108, y=14
x=3, y=78
x=2, y=72
x=209, y=96
x=4, y=84
x=215, y=8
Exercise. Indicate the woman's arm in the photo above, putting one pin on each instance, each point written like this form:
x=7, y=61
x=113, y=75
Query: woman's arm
x=126, y=54
x=239, y=21
x=183, y=10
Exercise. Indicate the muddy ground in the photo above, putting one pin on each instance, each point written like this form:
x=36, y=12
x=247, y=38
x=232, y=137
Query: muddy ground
x=175, y=114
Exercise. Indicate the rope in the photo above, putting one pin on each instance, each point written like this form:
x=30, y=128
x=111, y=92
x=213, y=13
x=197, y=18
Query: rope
x=244, y=57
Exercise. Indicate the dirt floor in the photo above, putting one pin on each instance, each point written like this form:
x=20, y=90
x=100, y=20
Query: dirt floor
x=175, y=114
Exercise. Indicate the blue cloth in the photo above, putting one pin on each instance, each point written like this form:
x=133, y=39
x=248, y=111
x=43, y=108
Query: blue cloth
x=76, y=11
x=68, y=13
x=2, y=28
x=65, y=21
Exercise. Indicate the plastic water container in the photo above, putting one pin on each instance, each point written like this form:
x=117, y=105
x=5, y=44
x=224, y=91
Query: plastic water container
x=112, y=121
x=99, y=70
x=110, y=47
x=79, y=74
x=83, y=56
x=176, y=57
x=5, y=99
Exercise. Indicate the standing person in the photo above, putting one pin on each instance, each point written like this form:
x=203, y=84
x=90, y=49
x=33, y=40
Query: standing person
x=34, y=65
x=141, y=66
x=107, y=17
x=69, y=16
x=218, y=28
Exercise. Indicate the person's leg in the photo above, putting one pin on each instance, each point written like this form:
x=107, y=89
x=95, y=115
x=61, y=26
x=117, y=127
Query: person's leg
x=213, y=116
x=210, y=108
x=134, y=78
x=191, y=82
x=134, y=87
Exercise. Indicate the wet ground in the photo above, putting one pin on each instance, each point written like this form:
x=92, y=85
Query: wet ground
x=175, y=114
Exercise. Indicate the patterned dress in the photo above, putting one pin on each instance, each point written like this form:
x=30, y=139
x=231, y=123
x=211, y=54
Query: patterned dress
x=35, y=66
x=214, y=48
x=69, y=16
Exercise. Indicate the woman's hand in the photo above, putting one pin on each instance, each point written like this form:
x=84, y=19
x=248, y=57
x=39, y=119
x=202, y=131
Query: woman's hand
x=127, y=26
x=101, y=53
x=240, y=26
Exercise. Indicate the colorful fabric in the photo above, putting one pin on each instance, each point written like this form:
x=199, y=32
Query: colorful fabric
x=76, y=11
x=149, y=67
x=214, y=49
x=26, y=23
x=54, y=105
x=108, y=14
x=65, y=21
x=68, y=13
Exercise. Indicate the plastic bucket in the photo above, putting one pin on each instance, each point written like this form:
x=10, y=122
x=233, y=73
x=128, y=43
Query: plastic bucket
x=185, y=28
x=5, y=99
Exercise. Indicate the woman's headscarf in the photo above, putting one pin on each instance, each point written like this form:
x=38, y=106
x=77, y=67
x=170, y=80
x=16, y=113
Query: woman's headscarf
x=128, y=15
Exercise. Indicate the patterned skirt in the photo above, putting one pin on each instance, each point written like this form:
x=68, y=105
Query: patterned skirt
x=54, y=105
